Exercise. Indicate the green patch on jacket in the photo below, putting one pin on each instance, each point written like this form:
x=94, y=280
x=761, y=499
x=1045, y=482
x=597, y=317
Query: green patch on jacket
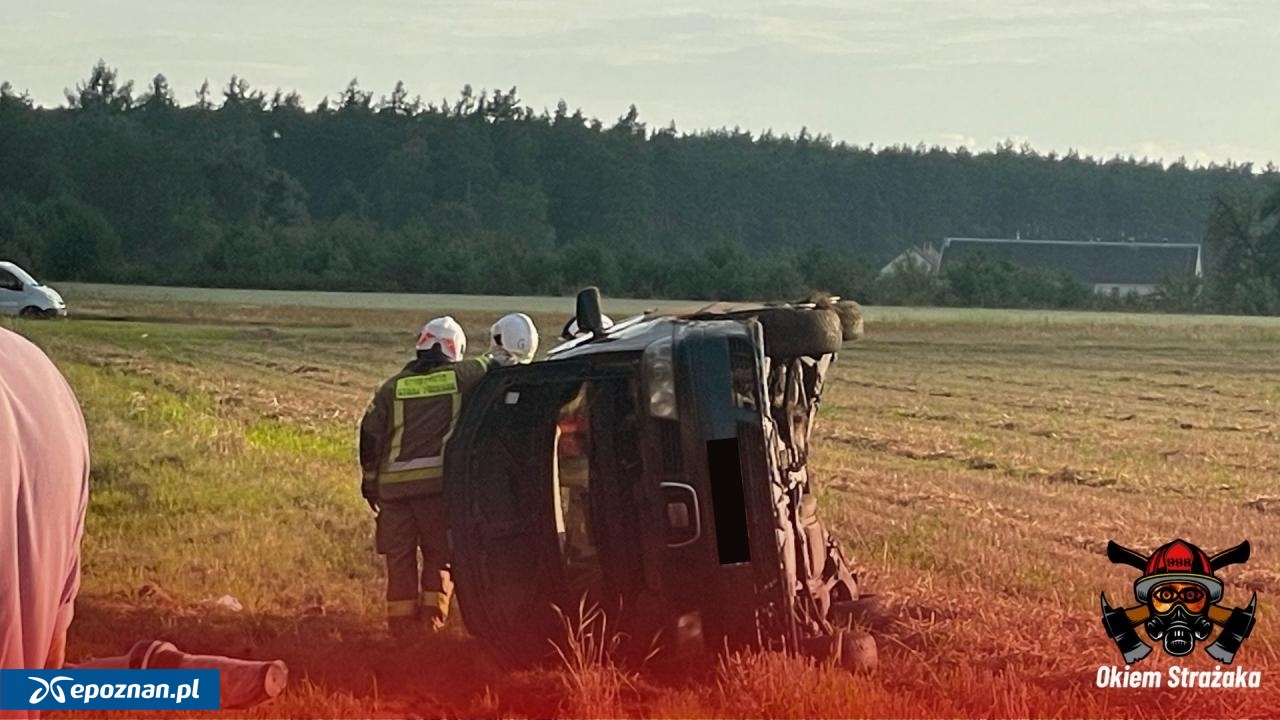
x=420, y=386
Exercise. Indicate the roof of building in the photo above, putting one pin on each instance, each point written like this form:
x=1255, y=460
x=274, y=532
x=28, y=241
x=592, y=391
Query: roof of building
x=924, y=255
x=1094, y=263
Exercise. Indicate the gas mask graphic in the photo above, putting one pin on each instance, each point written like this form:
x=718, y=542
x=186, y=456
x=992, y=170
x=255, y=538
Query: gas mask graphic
x=1178, y=617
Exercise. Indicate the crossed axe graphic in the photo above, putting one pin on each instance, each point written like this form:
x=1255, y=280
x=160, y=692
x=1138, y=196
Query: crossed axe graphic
x=1121, y=623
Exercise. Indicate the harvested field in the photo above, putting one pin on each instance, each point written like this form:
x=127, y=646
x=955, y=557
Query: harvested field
x=974, y=464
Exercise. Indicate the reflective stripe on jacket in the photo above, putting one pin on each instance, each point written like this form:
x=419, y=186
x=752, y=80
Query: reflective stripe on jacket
x=410, y=420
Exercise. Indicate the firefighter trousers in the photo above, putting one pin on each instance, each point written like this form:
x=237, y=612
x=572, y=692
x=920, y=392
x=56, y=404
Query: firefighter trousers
x=404, y=527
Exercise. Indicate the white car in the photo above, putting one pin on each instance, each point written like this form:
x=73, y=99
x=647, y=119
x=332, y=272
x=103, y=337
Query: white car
x=21, y=294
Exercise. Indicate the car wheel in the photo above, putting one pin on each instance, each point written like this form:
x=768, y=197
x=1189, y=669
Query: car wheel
x=796, y=332
x=31, y=311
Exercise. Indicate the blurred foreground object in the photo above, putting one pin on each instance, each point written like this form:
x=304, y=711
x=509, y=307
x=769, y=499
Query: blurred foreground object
x=44, y=490
x=244, y=683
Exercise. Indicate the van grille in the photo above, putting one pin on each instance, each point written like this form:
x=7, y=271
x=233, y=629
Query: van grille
x=741, y=355
x=742, y=363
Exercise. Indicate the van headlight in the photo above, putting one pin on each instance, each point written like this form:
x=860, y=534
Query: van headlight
x=660, y=379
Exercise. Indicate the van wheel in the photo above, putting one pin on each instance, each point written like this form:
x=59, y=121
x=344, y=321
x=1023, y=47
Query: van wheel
x=31, y=311
x=855, y=651
x=847, y=648
x=851, y=326
x=795, y=332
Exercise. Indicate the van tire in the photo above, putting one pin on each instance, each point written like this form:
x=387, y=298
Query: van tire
x=796, y=332
x=851, y=325
x=857, y=651
x=31, y=311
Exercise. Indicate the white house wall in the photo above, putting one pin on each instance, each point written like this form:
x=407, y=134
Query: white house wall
x=1123, y=289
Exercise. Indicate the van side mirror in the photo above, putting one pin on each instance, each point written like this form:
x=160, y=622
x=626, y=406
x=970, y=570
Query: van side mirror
x=588, y=311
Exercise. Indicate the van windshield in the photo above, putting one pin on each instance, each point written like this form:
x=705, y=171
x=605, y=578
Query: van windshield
x=22, y=275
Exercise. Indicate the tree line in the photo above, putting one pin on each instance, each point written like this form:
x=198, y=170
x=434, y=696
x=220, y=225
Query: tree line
x=483, y=193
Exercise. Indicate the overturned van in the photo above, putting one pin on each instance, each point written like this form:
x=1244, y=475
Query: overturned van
x=656, y=470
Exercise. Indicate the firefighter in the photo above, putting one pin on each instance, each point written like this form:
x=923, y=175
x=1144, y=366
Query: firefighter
x=513, y=340
x=402, y=440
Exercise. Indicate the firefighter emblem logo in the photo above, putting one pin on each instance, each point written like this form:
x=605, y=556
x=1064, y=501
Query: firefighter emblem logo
x=1178, y=603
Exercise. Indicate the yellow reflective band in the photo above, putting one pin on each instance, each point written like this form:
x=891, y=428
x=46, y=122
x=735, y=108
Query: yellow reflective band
x=453, y=424
x=397, y=430
x=393, y=477
x=420, y=386
x=415, y=464
x=401, y=608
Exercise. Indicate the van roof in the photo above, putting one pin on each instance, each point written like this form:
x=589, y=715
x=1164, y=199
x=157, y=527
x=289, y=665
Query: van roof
x=17, y=270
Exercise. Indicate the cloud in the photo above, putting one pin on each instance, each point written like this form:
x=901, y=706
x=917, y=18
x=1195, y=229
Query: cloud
x=953, y=141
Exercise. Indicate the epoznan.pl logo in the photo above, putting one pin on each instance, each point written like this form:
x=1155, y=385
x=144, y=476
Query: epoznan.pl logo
x=109, y=690
x=47, y=687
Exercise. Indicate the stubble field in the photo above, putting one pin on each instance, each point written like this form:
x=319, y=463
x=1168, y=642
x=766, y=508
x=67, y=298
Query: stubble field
x=974, y=464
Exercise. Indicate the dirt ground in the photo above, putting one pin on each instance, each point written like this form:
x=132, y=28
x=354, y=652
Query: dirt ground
x=974, y=467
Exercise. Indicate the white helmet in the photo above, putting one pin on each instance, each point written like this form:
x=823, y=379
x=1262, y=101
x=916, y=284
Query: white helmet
x=515, y=335
x=447, y=334
x=571, y=330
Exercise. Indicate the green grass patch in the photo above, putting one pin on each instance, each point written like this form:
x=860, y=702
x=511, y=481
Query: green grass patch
x=293, y=440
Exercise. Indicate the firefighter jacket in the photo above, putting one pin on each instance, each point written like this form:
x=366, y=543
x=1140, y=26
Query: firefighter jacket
x=407, y=425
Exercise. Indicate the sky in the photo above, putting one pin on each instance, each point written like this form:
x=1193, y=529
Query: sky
x=1160, y=79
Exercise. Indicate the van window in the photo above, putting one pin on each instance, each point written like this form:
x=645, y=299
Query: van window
x=572, y=488
x=8, y=281
x=598, y=465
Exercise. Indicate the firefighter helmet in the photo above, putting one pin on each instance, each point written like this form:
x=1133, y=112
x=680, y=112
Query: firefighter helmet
x=445, y=333
x=515, y=334
x=1178, y=561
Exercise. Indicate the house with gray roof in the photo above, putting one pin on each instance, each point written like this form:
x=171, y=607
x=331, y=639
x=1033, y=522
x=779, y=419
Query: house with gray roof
x=923, y=257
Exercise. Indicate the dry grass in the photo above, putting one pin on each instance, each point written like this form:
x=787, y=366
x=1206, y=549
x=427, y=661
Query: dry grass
x=974, y=469
x=594, y=681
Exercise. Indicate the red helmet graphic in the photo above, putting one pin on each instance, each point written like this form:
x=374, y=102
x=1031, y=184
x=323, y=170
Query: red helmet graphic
x=1178, y=561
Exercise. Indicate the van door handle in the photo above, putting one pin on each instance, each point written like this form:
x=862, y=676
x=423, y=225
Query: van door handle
x=684, y=519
